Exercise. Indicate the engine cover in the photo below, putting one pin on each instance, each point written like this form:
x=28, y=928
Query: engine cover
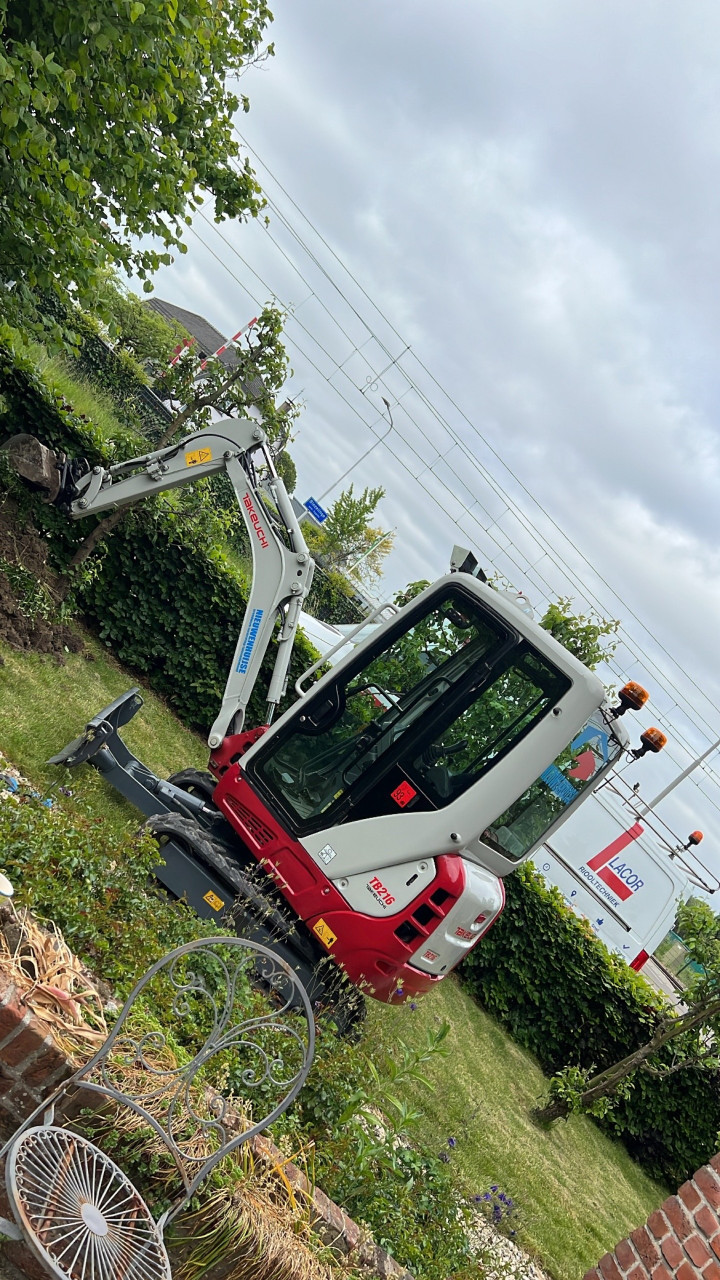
x=394, y=930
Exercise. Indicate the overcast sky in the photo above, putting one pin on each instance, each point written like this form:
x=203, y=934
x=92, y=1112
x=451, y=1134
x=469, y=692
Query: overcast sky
x=528, y=198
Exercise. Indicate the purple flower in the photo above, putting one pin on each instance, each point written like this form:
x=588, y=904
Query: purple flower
x=452, y=1142
x=400, y=991
x=413, y=1005
x=494, y=1187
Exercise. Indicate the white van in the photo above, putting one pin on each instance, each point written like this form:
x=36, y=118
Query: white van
x=624, y=871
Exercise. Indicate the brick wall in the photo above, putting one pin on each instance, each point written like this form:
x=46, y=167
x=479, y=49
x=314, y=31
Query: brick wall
x=679, y=1241
x=30, y=1061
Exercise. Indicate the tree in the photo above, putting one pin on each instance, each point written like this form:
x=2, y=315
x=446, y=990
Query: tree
x=588, y=636
x=687, y=1041
x=347, y=540
x=257, y=378
x=696, y=919
x=261, y=369
x=116, y=119
x=368, y=566
x=135, y=327
x=287, y=470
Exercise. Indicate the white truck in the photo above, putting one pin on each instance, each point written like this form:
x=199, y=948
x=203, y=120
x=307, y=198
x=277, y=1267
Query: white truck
x=623, y=870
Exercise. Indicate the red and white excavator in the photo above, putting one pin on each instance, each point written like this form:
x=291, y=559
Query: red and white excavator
x=368, y=830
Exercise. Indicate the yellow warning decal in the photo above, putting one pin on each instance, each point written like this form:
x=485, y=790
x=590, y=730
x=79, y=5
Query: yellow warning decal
x=325, y=933
x=197, y=456
x=213, y=900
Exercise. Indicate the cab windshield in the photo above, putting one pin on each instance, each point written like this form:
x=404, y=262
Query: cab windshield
x=592, y=753
x=441, y=701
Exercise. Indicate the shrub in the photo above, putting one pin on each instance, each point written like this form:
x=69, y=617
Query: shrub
x=332, y=599
x=168, y=604
x=543, y=974
x=367, y=1157
x=96, y=890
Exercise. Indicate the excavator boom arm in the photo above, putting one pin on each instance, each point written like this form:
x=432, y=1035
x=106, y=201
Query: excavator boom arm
x=282, y=566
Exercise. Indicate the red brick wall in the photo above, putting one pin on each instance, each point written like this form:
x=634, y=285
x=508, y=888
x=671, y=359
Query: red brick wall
x=30, y=1065
x=30, y=1061
x=680, y=1240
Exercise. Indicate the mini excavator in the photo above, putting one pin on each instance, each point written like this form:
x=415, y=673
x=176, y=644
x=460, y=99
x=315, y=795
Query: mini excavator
x=366, y=832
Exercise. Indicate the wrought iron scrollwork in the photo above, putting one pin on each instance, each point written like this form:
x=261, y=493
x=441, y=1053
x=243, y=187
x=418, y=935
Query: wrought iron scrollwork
x=240, y=1019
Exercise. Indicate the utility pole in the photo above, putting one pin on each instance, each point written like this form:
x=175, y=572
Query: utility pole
x=645, y=808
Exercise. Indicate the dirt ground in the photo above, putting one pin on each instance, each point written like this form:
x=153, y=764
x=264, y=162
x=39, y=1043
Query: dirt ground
x=22, y=545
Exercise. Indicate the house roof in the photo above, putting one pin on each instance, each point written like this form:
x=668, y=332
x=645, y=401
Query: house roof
x=208, y=338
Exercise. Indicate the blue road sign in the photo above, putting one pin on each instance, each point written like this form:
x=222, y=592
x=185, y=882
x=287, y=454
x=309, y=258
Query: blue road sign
x=319, y=513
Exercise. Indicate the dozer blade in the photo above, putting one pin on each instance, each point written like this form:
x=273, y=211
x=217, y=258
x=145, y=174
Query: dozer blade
x=36, y=463
x=102, y=747
x=103, y=727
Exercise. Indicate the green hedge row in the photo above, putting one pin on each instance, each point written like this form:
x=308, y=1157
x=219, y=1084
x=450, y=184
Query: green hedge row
x=169, y=607
x=546, y=977
x=331, y=599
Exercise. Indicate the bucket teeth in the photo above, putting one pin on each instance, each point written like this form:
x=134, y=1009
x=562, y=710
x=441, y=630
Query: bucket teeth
x=35, y=463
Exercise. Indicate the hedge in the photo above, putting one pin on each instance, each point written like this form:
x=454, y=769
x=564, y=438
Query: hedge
x=545, y=976
x=169, y=607
x=332, y=599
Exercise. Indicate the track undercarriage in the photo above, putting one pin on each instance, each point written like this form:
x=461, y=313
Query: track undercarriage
x=204, y=861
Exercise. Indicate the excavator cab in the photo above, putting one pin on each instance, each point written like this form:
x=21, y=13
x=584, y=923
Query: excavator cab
x=412, y=720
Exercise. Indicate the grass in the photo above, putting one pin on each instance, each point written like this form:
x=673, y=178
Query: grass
x=43, y=706
x=576, y=1190
x=80, y=393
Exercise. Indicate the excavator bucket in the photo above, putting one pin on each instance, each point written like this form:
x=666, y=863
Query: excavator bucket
x=36, y=463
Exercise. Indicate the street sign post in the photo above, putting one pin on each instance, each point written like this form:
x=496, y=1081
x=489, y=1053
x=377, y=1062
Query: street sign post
x=316, y=511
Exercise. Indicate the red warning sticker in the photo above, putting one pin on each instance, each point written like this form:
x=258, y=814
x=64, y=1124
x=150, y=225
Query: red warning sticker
x=403, y=794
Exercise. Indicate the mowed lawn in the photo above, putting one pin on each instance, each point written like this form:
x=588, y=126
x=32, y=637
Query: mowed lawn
x=44, y=706
x=577, y=1192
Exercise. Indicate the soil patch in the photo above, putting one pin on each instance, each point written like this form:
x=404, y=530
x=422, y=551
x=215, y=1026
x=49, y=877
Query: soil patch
x=29, y=600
